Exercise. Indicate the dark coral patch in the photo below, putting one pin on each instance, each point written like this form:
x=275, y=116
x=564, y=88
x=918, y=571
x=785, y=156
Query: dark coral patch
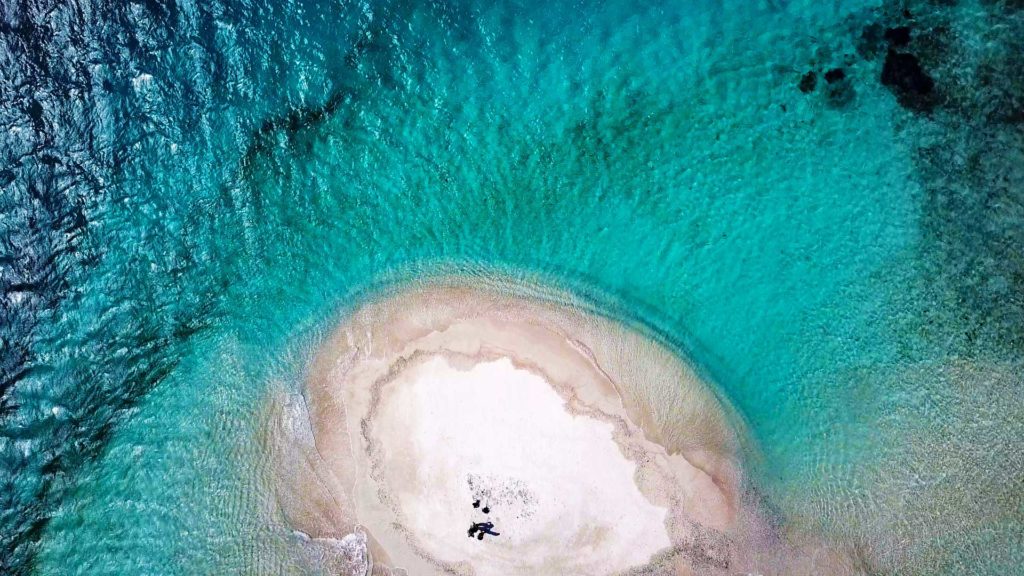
x=898, y=36
x=808, y=82
x=835, y=75
x=875, y=38
x=913, y=86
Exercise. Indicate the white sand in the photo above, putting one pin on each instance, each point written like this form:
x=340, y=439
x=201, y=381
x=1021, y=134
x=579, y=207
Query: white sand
x=596, y=450
x=502, y=436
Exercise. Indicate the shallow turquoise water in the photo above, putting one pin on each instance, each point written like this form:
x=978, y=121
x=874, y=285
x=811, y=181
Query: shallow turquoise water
x=658, y=160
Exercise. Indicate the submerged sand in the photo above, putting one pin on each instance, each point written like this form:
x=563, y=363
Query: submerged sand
x=589, y=448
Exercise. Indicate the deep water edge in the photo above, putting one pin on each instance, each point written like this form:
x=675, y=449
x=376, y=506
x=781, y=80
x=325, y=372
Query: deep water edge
x=820, y=205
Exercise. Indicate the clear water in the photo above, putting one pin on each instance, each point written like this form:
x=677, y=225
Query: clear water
x=233, y=176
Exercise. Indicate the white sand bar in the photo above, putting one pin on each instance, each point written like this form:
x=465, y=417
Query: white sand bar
x=594, y=450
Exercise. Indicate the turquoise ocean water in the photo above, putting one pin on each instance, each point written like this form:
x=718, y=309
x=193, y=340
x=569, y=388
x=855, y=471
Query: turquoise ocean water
x=229, y=178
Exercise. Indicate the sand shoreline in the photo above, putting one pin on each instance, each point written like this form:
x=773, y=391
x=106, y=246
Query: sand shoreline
x=650, y=452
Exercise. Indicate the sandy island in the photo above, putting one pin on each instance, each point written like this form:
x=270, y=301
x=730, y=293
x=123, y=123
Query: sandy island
x=447, y=429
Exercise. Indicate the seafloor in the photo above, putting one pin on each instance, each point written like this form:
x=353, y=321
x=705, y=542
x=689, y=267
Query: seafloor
x=821, y=204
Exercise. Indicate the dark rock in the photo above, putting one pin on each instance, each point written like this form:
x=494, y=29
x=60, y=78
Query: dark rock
x=835, y=75
x=6, y=177
x=904, y=76
x=898, y=36
x=808, y=82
